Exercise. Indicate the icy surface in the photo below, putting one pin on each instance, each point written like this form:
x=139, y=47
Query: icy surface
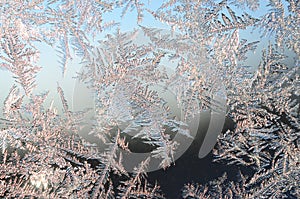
x=203, y=54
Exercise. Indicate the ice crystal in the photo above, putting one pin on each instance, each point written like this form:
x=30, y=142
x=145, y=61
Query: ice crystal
x=205, y=49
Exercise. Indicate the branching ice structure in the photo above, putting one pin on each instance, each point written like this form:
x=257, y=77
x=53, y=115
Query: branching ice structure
x=43, y=154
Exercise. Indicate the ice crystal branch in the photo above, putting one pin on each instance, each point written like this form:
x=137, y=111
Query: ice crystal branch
x=19, y=59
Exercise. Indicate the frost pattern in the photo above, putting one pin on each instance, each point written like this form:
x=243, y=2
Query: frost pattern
x=42, y=154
